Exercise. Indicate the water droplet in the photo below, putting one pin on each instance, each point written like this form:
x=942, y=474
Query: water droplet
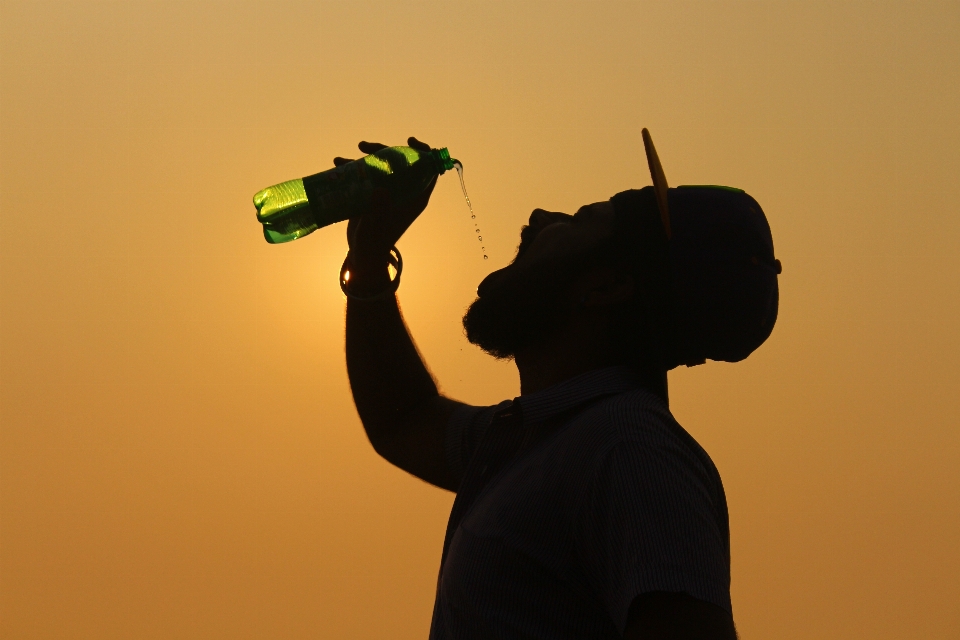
x=473, y=216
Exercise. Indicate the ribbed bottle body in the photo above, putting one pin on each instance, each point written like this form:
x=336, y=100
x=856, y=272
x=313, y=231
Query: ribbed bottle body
x=295, y=208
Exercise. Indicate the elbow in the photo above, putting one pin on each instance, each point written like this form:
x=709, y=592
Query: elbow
x=380, y=448
x=386, y=430
x=383, y=445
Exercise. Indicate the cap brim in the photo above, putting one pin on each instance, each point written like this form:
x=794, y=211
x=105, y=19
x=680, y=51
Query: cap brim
x=659, y=181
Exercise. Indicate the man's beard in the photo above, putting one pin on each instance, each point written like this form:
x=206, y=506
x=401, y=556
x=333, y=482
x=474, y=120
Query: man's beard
x=522, y=309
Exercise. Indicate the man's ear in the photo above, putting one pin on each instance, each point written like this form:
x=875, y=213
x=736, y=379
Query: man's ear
x=602, y=286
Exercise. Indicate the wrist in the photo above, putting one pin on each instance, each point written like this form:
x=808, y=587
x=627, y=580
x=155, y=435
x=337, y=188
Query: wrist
x=371, y=278
x=368, y=272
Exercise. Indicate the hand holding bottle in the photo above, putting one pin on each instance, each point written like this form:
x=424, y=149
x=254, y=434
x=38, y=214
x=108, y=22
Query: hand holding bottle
x=397, y=175
x=371, y=234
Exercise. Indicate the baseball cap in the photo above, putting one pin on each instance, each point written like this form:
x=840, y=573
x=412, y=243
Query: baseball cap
x=707, y=271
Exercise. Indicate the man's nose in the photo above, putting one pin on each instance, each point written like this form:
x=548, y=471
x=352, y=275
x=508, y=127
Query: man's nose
x=490, y=281
x=542, y=217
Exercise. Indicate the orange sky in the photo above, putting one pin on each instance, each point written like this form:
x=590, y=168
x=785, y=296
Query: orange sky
x=179, y=452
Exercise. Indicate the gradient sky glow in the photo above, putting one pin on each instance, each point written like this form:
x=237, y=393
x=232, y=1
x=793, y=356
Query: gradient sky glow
x=179, y=452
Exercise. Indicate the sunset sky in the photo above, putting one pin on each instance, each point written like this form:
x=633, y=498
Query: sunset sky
x=180, y=456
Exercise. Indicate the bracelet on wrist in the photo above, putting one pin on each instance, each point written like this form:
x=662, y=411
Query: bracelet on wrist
x=394, y=259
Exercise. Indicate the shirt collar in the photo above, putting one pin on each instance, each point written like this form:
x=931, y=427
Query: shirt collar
x=546, y=403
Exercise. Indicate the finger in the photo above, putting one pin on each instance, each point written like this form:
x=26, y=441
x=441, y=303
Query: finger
x=371, y=147
x=352, y=230
x=429, y=189
x=416, y=144
x=422, y=200
x=339, y=161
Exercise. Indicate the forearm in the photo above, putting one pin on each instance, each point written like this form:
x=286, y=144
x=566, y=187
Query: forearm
x=387, y=376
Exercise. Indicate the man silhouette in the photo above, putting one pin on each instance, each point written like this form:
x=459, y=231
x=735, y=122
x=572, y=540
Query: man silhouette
x=583, y=509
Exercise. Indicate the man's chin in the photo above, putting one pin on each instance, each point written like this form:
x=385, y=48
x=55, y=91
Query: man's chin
x=503, y=326
x=515, y=310
x=490, y=330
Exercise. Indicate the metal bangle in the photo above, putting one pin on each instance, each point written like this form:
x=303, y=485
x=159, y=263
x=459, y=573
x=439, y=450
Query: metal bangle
x=394, y=258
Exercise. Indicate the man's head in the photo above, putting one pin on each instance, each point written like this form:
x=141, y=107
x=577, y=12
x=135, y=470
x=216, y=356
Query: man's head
x=708, y=290
x=567, y=267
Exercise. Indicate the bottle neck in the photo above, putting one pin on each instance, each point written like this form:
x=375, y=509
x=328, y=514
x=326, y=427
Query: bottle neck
x=442, y=160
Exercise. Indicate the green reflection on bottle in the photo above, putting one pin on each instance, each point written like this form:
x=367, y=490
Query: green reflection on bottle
x=295, y=208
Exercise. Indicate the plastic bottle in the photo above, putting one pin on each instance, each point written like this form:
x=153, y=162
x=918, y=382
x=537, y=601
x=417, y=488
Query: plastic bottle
x=295, y=208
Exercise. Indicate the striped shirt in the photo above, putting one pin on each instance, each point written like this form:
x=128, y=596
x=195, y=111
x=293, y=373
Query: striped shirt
x=572, y=501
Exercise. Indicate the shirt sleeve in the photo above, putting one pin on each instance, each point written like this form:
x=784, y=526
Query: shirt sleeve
x=464, y=432
x=650, y=521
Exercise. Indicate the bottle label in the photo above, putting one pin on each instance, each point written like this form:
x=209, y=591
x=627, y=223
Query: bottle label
x=337, y=194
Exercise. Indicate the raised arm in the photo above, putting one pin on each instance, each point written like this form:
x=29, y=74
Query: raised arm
x=402, y=412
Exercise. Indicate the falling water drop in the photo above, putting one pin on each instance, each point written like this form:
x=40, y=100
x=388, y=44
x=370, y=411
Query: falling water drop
x=473, y=216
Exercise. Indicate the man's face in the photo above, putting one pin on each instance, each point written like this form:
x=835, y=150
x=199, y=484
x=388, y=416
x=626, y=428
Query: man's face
x=521, y=303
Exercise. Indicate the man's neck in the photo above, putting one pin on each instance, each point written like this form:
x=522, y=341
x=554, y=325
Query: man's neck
x=568, y=353
x=574, y=349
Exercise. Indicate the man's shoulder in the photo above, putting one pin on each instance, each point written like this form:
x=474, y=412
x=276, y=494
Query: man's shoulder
x=636, y=415
x=636, y=418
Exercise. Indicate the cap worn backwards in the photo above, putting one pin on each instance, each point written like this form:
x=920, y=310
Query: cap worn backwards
x=710, y=286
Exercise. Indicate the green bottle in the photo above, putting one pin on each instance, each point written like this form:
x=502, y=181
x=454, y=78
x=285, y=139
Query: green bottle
x=292, y=209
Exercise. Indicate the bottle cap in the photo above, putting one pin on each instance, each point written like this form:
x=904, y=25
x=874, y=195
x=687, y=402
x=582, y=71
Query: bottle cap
x=444, y=161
